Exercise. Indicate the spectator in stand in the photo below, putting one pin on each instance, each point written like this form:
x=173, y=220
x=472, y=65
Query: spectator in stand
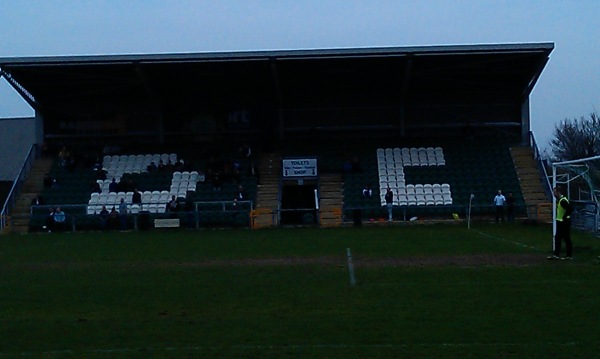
x=136, y=198
x=49, y=182
x=49, y=223
x=499, y=202
x=59, y=219
x=367, y=192
x=64, y=157
x=123, y=214
x=161, y=166
x=113, y=186
x=113, y=218
x=172, y=206
x=152, y=167
x=95, y=187
x=37, y=201
x=104, y=216
x=241, y=194
x=217, y=182
x=253, y=172
x=389, y=202
x=201, y=176
x=510, y=207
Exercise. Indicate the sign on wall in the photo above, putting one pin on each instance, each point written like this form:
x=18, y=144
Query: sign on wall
x=299, y=167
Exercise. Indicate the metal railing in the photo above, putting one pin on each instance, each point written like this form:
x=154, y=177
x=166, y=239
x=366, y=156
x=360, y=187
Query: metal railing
x=15, y=190
x=541, y=165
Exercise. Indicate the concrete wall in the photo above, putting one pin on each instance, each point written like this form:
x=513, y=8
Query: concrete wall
x=16, y=137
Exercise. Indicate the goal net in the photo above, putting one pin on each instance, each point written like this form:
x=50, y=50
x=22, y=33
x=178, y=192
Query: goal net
x=580, y=181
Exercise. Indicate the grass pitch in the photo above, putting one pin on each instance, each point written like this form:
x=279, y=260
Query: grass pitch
x=431, y=291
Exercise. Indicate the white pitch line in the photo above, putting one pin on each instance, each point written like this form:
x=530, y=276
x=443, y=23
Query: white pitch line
x=290, y=346
x=508, y=241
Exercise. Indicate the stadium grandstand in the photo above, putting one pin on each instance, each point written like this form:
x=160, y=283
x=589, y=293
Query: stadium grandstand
x=276, y=138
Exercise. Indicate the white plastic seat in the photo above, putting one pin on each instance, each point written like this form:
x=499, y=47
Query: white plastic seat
x=176, y=176
x=153, y=208
x=429, y=200
x=185, y=176
x=411, y=199
x=135, y=208
x=173, y=157
x=402, y=200
x=420, y=199
x=439, y=199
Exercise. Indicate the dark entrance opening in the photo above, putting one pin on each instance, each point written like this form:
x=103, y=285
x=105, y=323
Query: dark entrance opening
x=298, y=203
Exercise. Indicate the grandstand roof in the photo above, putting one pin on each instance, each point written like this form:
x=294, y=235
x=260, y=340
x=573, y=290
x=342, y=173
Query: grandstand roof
x=319, y=78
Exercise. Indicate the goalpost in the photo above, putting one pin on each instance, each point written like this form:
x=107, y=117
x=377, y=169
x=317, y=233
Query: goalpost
x=580, y=180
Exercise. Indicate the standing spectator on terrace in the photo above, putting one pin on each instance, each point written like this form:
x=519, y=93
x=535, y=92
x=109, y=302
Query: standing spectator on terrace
x=104, y=216
x=123, y=214
x=49, y=222
x=499, y=202
x=172, y=206
x=37, y=201
x=367, y=192
x=510, y=207
x=253, y=172
x=389, y=202
x=241, y=194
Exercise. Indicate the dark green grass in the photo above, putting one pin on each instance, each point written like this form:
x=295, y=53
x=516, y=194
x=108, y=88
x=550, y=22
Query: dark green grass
x=154, y=295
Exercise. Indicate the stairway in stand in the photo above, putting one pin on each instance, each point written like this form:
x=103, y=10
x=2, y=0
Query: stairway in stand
x=539, y=206
x=267, y=194
x=331, y=200
x=31, y=188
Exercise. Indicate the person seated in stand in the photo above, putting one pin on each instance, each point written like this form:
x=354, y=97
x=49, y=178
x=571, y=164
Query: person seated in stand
x=95, y=187
x=172, y=206
x=367, y=192
x=136, y=198
x=113, y=186
x=152, y=167
x=59, y=219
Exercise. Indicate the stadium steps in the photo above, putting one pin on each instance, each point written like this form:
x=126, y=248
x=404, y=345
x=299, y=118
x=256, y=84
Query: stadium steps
x=31, y=188
x=531, y=184
x=267, y=193
x=331, y=200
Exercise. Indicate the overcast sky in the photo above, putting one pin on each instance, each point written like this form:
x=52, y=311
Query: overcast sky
x=569, y=86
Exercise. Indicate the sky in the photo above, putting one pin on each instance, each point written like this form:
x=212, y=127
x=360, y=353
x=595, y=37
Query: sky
x=568, y=88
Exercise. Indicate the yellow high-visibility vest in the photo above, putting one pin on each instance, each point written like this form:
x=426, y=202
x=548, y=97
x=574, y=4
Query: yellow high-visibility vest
x=560, y=211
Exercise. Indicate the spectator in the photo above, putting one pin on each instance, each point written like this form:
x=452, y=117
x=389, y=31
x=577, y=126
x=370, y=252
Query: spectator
x=201, y=177
x=367, y=192
x=49, y=181
x=152, y=167
x=113, y=186
x=499, y=202
x=241, y=194
x=172, y=206
x=49, y=223
x=253, y=172
x=95, y=187
x=389, y=202
x=112, y=218
x=59, y=219
x=104, y=217
x=37, y=201
x=123, y=214
x=136, y=198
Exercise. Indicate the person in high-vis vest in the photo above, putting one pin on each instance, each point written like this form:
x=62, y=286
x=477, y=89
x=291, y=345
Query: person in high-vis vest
x=563, y=225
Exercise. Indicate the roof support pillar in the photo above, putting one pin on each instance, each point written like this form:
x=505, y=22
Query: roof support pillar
x=403, y=93
x=525, y=121
x=278, y=99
